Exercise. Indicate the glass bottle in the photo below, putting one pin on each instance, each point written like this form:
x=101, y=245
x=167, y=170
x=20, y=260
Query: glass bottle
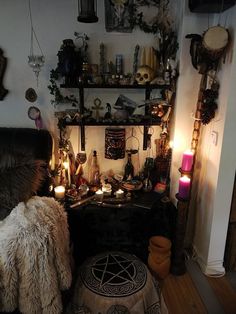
x=167, y=72
x=129, y=169
x=94, y=171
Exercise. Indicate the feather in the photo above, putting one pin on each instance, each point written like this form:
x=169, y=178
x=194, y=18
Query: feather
x=195, y=48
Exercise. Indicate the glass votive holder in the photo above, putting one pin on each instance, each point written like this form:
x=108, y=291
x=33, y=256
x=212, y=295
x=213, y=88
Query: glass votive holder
x=59, y=192
x=99, y=195
x=106, y=191
x=119, y=193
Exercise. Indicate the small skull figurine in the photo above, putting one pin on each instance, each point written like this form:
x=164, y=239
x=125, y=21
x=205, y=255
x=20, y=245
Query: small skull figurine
x=144, y=75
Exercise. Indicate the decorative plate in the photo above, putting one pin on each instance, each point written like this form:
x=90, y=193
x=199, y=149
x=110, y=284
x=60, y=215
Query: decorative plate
x=132, y=185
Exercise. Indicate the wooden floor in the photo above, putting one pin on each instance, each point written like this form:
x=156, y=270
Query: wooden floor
x=182, y=297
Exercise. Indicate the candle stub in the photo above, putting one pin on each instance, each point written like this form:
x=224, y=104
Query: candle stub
x=99, y=195
x=59, y=191
x=120, y=193
x=184, y=187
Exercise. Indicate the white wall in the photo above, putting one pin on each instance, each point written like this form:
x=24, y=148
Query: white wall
x=218, y=167
x=215, y=164
x=56, y=20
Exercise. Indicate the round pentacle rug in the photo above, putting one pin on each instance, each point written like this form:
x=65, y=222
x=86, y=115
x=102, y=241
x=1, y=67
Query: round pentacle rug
x=114, y=274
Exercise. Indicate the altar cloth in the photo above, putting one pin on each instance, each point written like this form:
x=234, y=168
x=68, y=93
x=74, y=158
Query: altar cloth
x=116, y=282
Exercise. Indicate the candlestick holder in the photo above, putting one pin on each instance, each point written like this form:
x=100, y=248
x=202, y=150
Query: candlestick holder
x=178, y=266
x=185, y=173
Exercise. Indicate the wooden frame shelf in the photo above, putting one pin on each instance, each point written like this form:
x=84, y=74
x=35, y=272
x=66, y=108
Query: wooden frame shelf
x=147, y=88
x=113, y=123
x=117, y=86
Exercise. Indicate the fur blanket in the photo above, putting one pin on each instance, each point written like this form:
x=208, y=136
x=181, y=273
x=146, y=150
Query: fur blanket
x=34, y=257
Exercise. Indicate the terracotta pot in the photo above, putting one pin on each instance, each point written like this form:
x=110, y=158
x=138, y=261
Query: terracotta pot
x=159, y=257
x=161, y=269
x=159, y=244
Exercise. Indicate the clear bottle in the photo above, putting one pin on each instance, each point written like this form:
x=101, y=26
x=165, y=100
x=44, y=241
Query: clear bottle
x=119, y=64
x=167, y=72
x=94, y=171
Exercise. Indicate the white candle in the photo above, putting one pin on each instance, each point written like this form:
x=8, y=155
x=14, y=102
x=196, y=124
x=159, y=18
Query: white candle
x=120, y=193
x=59, y=191
x=99, y=195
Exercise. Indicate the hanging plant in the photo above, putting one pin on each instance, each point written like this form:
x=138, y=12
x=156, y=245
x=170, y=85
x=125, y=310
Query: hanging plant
x=53, y=88
x=56, y=92
x=160, y=25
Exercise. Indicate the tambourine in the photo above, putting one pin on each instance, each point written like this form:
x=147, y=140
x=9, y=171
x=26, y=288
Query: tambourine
x=214, y=41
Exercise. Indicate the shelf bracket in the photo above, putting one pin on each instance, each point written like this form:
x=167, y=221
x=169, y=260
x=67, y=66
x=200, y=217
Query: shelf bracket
x=82, y=137
x=145, y=137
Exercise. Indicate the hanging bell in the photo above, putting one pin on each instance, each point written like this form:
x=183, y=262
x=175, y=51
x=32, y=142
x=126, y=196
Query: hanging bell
x=87, y=11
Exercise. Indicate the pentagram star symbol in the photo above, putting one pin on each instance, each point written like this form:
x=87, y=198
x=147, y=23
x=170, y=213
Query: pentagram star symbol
x=114, y=269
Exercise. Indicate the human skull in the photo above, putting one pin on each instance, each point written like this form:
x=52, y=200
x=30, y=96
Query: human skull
x=144, y=75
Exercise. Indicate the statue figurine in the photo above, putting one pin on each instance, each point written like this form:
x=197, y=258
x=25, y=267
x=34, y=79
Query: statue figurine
x=108, y=113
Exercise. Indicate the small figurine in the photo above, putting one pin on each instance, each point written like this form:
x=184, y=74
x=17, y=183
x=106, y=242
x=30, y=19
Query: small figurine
x=97, y=106
x=108, y=113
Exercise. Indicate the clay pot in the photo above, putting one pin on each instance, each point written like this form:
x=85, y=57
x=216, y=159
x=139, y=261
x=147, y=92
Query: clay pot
x=159, y=257
x=160, y=243
x=161, y=269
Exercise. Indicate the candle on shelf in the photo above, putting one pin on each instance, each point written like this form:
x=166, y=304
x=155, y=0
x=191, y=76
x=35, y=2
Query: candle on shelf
x=120, y=193
x=187, y=161
x=59, y=191
x=184, y=187
x=99, y=195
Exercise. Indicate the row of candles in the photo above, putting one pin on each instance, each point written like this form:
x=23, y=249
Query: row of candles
x=60, y=193
x=185, y=181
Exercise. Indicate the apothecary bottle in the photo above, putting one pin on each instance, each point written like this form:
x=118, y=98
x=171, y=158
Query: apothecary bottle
x=94, y=171
x=129, y=169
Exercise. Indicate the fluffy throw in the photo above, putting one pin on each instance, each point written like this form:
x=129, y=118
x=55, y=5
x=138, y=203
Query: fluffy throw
x=34, y=257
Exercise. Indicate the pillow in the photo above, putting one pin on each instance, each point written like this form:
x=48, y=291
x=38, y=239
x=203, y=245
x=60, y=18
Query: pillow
x=20, y=178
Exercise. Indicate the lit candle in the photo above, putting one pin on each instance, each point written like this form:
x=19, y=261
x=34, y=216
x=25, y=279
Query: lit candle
x=66, y=165
x=184, y=187
x=99, y=195
x=187, y=161
x=120, y=193
x=59, y=191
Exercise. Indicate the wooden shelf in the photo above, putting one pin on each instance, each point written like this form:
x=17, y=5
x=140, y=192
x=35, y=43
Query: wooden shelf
x=117, y=86
x=114, y=123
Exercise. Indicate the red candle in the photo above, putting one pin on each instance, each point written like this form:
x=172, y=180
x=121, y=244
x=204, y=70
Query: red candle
x=187, y=161
x=184, y=187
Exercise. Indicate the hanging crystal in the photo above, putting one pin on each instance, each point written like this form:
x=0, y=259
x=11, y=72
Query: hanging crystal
x=35, y=61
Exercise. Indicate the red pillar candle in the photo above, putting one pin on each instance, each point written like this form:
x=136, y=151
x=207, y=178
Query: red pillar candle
x=187, y=161
x=184, y=187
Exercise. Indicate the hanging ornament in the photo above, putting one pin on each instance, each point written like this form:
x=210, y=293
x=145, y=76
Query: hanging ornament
x=35, y=61
x=31, y=95
x=34, y=114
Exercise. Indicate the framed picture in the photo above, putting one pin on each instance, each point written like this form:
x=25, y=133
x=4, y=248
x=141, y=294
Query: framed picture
x=117, y=15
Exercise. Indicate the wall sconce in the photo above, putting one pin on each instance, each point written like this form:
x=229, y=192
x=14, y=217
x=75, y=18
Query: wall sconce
x=87, y=11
